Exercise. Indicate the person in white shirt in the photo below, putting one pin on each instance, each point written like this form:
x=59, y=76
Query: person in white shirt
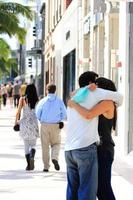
x=80, y=146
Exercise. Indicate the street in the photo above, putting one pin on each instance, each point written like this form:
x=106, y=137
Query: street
x=16, y=183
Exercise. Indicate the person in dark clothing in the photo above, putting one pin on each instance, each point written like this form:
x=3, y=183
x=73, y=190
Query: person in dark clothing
x=106, y=110
x=4, y=94
x=106, y=148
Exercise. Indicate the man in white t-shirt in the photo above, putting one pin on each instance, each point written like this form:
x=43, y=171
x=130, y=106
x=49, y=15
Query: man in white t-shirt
x=80, y=145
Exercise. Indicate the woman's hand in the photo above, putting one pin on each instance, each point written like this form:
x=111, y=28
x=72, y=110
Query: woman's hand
x=92, y=86
x=73, y=93
x=71, y=103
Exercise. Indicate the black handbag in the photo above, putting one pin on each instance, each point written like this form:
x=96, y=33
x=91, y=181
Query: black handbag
x=61, y=125
x=16, y=127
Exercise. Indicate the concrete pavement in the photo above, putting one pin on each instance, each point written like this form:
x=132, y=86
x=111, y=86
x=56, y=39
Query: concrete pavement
x=16, y=183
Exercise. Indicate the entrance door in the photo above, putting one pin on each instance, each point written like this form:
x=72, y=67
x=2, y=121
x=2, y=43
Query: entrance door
x=68, y=74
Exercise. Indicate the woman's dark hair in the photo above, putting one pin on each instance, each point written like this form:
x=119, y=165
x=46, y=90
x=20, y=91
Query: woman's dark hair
x=108, y=84
x=31, y=95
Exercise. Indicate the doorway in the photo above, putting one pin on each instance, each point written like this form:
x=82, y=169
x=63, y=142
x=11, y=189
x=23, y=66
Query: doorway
x=68, y=75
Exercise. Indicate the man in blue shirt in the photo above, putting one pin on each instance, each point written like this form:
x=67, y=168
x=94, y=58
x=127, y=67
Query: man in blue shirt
x=50, y=111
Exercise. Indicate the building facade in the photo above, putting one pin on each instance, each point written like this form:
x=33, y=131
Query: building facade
x=30, y=53
x=86, y=35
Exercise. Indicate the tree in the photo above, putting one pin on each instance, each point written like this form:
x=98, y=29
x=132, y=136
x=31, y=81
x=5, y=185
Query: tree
x=4, y=49
x=10, y=24
x=9, y=19
x=6, y=62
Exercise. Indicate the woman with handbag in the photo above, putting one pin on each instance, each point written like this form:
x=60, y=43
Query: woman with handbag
x=29, y=131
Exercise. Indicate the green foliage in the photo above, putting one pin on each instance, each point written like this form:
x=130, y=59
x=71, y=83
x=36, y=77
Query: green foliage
x=7, y=65
x=9, y=19
x=4, y=49
x=16, y=8
x=10, y=13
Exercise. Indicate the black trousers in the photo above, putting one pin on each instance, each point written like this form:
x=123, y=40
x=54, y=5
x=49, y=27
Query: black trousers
x=4, y=99
x=105, y=160
x=16, y=100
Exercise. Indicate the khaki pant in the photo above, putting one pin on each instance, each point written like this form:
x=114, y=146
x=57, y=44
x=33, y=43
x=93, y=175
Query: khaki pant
x=50, y=137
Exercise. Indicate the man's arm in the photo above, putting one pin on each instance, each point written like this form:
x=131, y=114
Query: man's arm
x=98, y=109
x=18, y=113
x=63, y=110
x=109, y=95
x=38, y=110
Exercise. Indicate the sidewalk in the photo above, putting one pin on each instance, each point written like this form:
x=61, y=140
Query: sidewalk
x=16, y=183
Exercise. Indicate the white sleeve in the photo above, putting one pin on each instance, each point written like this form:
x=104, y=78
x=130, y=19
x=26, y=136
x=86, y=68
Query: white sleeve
x=109, y=95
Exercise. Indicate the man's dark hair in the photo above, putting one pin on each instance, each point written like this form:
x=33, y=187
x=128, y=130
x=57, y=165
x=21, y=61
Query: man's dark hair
x=87, y=77
x=51, y=88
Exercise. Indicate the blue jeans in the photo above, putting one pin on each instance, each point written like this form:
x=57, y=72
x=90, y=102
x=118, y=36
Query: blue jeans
x=82, y=173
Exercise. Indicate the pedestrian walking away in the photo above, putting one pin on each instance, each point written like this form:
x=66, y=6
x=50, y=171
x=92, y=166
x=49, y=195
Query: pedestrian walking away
x=16, y=93
x=80, y=146
x=9, y=87
x=50, y=111
x=23, y=89
x=29, y=131
x=4, y=94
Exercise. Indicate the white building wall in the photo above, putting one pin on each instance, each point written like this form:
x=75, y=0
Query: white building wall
x=122, y=142
x=114, y=26
x=100, y=57
x=69, y=22
x=92, y=35
x=107, y=46
x=57, y=39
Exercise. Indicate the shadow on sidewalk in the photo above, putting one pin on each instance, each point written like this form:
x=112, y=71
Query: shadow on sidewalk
x=22, y=174
x=5, y=126
x=15, y=174
x=10, y=156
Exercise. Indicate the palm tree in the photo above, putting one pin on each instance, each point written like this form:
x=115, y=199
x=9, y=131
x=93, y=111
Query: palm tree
x=9, y=19
x=10, y=24
x=4, y=49
x=6, y=63
x=4, y=54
